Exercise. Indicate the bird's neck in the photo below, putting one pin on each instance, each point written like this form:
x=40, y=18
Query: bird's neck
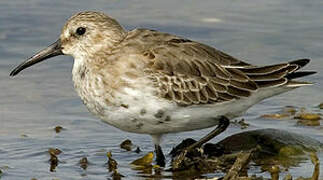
x=97, y=80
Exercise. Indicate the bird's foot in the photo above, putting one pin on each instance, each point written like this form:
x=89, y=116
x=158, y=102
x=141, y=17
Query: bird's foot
x=179, y=159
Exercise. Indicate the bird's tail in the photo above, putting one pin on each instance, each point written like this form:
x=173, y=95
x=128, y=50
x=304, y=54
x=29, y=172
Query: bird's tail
x=279, y=74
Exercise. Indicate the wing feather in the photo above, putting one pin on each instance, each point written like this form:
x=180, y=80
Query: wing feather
x=189, y=72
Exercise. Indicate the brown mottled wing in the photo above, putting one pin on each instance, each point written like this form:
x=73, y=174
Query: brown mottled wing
x=189, y=73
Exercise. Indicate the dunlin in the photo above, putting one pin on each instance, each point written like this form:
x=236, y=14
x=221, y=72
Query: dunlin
x=150, y=82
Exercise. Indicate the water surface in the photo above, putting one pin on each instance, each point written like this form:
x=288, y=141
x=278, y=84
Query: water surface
x=42, y=97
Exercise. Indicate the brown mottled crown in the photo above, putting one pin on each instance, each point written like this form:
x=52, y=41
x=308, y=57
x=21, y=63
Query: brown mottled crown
x=100, y=31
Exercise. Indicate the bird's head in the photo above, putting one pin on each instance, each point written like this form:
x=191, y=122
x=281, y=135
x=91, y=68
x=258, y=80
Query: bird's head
x=83, y=34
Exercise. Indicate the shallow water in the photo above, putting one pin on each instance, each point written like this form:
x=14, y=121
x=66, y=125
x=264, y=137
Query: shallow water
x=42, y=97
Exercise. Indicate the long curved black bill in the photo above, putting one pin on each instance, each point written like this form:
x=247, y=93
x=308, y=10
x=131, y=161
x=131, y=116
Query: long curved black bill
x=54, y=49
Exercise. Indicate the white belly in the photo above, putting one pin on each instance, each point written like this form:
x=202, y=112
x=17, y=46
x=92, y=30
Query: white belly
x=151, y=115
x=144, y=113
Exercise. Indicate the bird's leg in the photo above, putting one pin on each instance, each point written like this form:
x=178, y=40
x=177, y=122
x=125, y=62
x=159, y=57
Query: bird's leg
x=160, y=158
x=223, y=124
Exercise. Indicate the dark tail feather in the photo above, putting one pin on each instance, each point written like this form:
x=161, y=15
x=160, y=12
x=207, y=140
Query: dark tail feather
x=299, y=74
x=278, y=74
x=300, y=62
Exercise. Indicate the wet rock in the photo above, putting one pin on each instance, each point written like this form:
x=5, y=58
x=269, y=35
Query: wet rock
x=84, y=163
x=265, y=147
x=271, y=141
x=126, y=144
x=275, y=146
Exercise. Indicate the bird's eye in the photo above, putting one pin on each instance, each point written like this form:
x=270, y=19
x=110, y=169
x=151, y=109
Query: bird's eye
x=80, y=31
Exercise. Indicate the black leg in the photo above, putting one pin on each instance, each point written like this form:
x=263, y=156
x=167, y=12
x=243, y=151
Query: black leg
x=223, y=124
x=160, y=158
